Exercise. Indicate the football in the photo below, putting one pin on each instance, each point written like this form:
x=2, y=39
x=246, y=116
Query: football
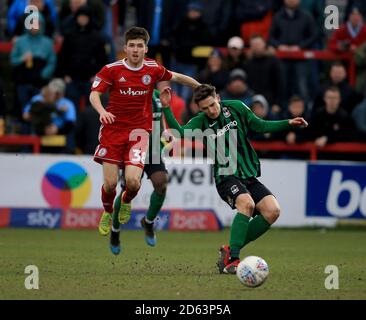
x=252, y=271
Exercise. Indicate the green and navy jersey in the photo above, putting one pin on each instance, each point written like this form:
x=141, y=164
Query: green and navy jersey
x=236, y=145
x=155, y=136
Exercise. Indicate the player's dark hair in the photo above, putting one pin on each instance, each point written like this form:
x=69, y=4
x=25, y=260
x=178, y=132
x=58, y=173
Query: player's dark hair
x=203, y=91
x=137, y=33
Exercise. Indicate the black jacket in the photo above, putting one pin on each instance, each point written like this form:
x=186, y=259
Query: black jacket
x=298, y=30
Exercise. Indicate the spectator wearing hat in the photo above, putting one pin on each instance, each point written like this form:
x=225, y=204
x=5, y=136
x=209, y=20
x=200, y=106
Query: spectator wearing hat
x=237, y=88
x=235, y=57
x=215, y=73
x=260, y=108
x=350, y=35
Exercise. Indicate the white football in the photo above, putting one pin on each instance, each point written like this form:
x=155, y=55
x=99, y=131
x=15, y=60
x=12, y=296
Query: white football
x=252, y=271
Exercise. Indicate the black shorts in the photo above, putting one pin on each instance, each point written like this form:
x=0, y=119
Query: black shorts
x=231, y=187
x=149, y=169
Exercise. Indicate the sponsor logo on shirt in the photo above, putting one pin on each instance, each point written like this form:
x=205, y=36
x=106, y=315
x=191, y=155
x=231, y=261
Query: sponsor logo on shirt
x=122, y=79
x=222, y=131
x=146, y=79
x=131, y=92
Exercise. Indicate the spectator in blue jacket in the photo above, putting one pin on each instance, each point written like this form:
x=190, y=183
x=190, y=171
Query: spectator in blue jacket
x=16, y=15
x=33, y=60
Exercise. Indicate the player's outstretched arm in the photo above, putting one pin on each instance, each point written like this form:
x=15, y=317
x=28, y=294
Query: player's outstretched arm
x=185, y=80
x=105, y=117
x=298, y=122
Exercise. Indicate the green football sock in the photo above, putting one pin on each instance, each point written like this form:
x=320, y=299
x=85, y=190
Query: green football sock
x=257, y=226
x=156, y=202
x=117, y=205
x=238, y=234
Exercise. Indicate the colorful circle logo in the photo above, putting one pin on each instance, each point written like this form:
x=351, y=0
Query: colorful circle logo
x=66, y=185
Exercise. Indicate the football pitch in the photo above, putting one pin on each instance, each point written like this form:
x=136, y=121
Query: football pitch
x=79, y=265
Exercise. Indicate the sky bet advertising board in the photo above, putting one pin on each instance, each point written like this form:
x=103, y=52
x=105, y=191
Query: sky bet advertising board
x=337, y=191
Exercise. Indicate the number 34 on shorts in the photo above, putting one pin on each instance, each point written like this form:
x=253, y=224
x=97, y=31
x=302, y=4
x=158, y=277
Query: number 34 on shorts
x=137, y=156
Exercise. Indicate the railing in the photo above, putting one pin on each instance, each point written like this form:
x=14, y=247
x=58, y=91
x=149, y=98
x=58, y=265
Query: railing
x=279, y=146
x=308, y=147
x=22, y=140
x=311, y=148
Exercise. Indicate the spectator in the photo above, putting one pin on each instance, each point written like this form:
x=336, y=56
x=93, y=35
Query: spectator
x=360, y=4
x=294, y=29
x=338, y=78
x=214, y=72
x=33, y=60
x=260, y=108
x=265, y=73
x=316, y=10
x=359, y=118
x=235, y=57
x=83, y=53
x=350, y=35
x=237, y=88
x=296, y=108
x=190, y=32
x=331, y=123
x=69, y=9
x=17, y=15
x=50, y=113
x=360, y=60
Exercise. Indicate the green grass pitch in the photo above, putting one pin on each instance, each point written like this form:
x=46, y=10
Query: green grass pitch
x=78, y=265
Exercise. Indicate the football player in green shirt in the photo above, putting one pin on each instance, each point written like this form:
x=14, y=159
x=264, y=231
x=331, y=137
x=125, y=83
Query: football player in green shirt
x=224, y=126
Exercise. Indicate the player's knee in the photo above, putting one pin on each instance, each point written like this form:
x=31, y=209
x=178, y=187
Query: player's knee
x=110, y=184
x=272, y=214
x=133, y=184
x=160, y=186
x=245, y=204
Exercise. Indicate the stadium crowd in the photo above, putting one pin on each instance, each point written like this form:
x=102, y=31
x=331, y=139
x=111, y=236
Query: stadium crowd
x=46, y=92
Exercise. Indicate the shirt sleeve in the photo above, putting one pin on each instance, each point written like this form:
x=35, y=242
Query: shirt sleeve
x=187, y=129
x=102, y=81
x=164, y=74
x=263, y=126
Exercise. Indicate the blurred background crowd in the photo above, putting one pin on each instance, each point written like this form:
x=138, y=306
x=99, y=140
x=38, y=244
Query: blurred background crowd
x=46, y=74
